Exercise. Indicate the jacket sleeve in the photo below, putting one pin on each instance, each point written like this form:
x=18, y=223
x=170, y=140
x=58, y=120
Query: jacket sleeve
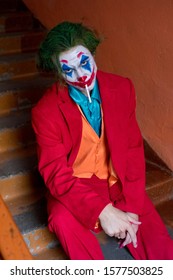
x=134, y=184
x=80, y=199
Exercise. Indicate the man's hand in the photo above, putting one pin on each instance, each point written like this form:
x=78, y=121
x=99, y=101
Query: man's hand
x=119, y=224
x=128, y=239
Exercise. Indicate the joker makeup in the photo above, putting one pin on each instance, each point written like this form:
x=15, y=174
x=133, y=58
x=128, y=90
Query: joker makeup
x=79, y=68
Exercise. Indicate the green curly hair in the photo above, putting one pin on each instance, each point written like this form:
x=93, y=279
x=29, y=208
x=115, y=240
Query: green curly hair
x=61, y=38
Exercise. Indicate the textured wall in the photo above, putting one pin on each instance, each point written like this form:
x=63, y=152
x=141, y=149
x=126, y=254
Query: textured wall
x=138, y=44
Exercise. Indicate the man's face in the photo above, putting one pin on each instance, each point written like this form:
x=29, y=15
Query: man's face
x=78, y=67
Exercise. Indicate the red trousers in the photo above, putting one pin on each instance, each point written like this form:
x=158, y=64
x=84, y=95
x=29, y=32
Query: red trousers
x=79, y=243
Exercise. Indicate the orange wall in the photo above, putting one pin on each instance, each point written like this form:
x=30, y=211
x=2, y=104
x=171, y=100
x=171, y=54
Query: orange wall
x=138, y=44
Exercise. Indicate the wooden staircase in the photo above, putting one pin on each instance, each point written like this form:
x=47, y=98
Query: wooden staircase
x=20, y=183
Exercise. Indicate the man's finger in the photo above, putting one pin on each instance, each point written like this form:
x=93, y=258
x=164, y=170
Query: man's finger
x=126, y=241
x=133, y=221
x=132, y=235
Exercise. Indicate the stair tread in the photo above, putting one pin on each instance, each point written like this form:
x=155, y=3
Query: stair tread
x=20, y=42
x=156, y=175
x=34, y=216
x=15, y=119
x=21, y=33
x=17, y=65
x=10, y=58
x=17, y=161
x=165, y=210
x=34, y=81
x=22, y=203
x=18, y=20
x=56, y=253
x=15, y=14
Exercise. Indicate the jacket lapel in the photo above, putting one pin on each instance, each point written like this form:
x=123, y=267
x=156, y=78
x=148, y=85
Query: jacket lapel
x=73, y=119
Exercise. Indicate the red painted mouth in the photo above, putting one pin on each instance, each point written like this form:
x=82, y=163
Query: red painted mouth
x=83, y=83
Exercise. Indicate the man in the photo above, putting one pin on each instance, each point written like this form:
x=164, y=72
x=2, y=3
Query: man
x=90, y=153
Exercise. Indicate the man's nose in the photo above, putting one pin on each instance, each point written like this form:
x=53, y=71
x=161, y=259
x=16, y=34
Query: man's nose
x=82, y=79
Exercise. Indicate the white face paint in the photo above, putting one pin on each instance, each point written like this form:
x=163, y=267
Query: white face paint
x=78, y=67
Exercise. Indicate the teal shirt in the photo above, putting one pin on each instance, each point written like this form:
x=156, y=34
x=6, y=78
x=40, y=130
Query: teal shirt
x=91, y=111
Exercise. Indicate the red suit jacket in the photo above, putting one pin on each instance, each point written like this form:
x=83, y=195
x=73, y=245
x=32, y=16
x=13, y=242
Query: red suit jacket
x=58, y=126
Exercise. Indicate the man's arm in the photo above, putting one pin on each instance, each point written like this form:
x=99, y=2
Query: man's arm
x=124, y=224
x=134, y=186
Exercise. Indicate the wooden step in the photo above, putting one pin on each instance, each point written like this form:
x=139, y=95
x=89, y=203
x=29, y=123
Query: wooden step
x=22, y=93
x=56, y=253
x=16, y=130
x=16, y=66
x=18, y=185
x=31, y=217
x=165, y=209
x=159, y=178
x=15, y=138
x=18, y=172
x=16, y=21
x=20, y=42
x=159, y=183
x=12, y=5
x=13, y=162
x=32, y=223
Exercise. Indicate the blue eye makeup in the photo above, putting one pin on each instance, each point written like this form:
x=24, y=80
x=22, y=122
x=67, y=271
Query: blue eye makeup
x=67, y=70
x=84, y=62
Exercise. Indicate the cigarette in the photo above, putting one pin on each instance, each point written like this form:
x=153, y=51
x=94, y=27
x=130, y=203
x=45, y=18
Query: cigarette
x=88, y=94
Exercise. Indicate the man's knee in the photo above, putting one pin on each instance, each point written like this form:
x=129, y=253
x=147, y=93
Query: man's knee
x=58, y=218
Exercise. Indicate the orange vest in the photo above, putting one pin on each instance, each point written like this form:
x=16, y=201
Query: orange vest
x=93, y=156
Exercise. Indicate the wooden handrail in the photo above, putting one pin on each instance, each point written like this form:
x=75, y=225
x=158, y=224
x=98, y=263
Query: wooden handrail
x=12, y=244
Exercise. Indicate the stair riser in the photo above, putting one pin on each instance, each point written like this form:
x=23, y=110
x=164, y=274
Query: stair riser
x=16, y=23
x=18, y=185
x=18, y=100
x=24, y=43
x=161, y=192
x=11, y=139
x=17, y=69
